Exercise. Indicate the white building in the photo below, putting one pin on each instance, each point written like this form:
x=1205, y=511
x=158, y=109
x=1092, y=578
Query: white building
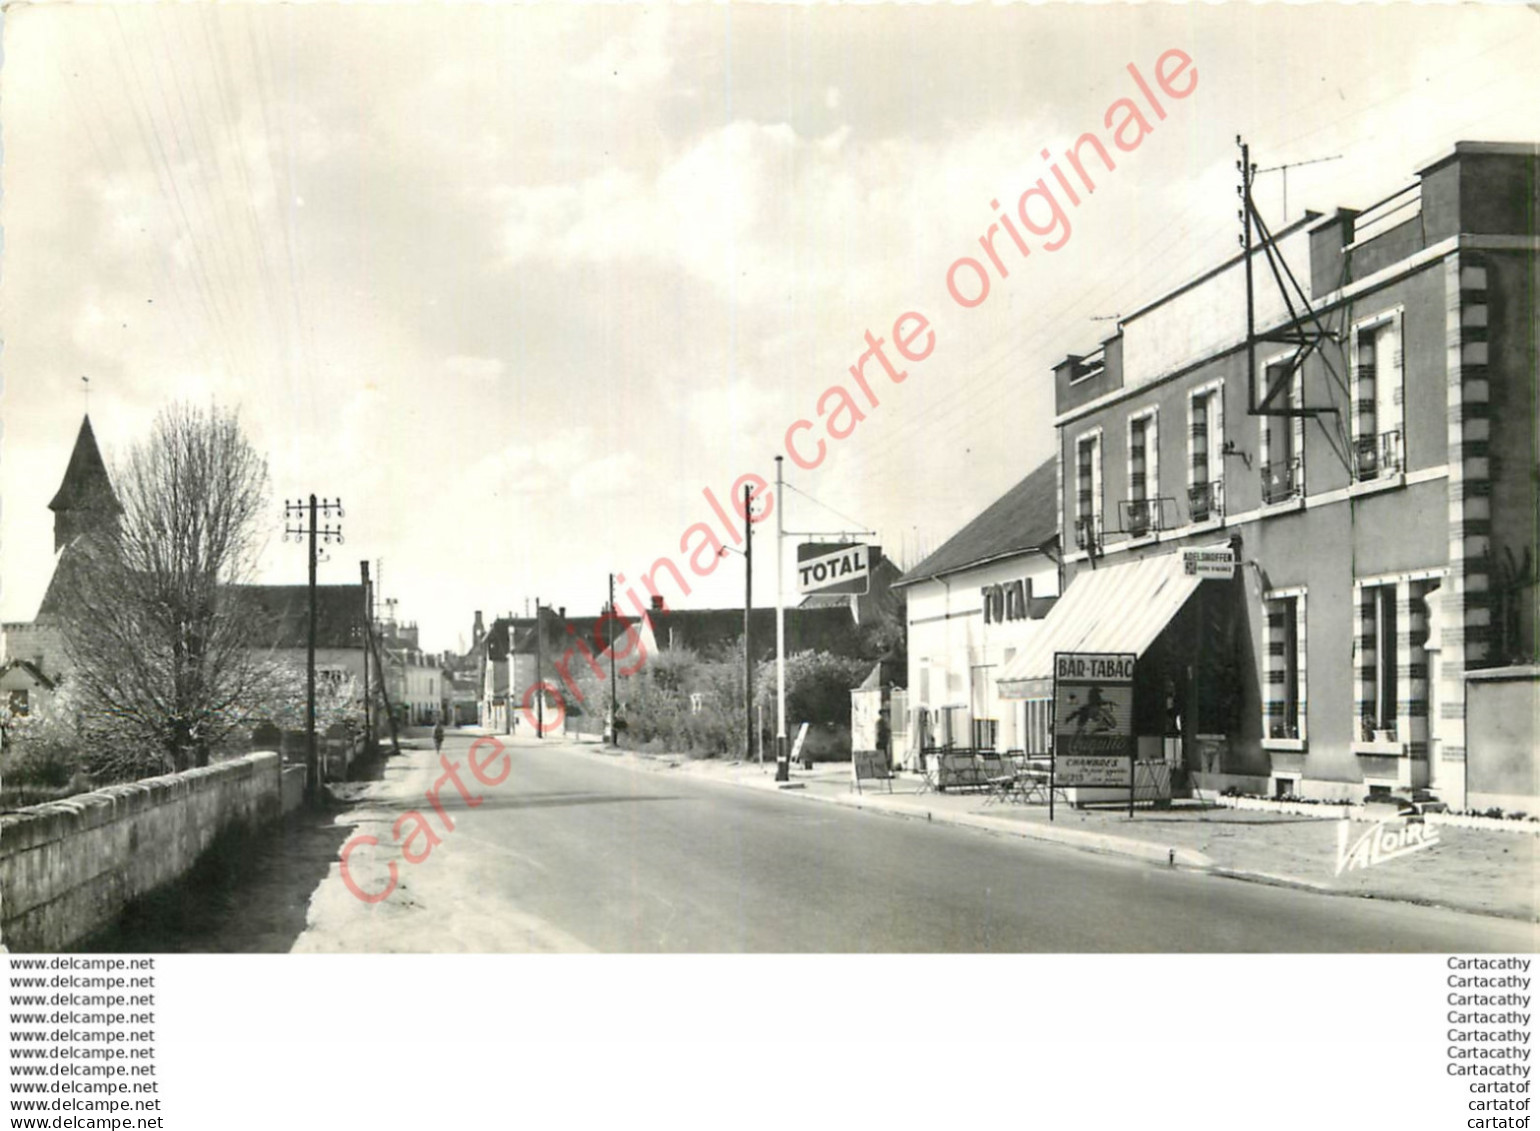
x=972, y=605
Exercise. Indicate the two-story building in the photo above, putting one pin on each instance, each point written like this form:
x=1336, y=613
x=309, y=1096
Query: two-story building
x=1381, y=527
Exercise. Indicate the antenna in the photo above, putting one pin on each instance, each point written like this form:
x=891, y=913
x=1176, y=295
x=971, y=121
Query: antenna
x=1284, y=171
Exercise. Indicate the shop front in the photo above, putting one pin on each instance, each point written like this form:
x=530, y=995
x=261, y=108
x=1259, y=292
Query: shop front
x=1183, y=622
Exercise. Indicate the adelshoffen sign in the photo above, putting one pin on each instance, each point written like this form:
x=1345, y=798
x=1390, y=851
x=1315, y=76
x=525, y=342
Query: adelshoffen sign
x=1209, y=563
x=1093, y=720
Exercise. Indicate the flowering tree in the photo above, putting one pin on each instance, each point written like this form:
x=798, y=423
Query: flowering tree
x=159, y=636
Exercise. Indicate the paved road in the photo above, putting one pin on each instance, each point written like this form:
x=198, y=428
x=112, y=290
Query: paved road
x=575, y=852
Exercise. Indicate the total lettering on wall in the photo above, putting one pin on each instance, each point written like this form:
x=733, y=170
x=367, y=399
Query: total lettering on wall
x=1007, y=602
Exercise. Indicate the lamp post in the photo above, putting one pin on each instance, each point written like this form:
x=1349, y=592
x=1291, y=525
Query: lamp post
x=748, y=635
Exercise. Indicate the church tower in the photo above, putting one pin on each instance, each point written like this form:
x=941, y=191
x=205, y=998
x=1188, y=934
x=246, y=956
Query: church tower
x=85, y=501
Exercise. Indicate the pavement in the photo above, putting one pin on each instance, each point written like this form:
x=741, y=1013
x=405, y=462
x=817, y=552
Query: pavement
x=1478, y=871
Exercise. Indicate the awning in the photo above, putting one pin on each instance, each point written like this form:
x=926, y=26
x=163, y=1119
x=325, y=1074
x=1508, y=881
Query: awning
x=1119, y=608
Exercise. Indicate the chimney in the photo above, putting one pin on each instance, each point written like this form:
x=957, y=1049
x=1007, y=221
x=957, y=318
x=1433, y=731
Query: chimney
x=657, y=603
x=562, y=612
x=478, y=630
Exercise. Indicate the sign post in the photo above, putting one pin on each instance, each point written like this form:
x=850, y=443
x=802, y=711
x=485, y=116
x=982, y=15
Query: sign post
x=1093, y=734
x=1053, y=759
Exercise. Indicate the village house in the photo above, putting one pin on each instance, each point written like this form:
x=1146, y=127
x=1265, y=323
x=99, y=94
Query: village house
x=972, y=605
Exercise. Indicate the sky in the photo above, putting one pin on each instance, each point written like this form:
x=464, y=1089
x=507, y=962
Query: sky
x=518, y=284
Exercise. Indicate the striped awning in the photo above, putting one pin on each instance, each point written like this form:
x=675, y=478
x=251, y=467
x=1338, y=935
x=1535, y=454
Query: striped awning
x=1120, y=608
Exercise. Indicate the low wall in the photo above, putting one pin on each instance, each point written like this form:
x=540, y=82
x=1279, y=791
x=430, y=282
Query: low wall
x=1501, y=765
x=293, y=790
x=69, y=867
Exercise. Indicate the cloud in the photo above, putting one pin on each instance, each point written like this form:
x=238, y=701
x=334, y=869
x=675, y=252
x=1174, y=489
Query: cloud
x=481, y=369
x=631, y=63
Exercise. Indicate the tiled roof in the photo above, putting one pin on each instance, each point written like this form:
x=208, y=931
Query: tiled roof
x=822, y=630
x=557, y=638
x=283, y=613
x=1025, y=518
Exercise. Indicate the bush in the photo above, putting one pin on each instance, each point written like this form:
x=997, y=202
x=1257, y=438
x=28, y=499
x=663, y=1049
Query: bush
x=39, y=760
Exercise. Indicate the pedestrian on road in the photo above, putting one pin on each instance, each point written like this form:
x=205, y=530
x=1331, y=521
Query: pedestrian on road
x=438, y=737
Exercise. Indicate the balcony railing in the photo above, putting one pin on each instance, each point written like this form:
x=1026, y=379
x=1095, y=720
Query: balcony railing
x=1206, y=501
x=1379, y=455
x=1281, y=480
x=1088, y=534
x=1141, y=517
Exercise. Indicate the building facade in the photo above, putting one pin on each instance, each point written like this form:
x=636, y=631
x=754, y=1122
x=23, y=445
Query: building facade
x=972, y=605
x=1382, y=533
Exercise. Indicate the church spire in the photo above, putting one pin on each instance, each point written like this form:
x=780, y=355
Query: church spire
x=85, y=500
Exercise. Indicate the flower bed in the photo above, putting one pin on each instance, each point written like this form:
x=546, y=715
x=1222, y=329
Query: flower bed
x=1335, y=811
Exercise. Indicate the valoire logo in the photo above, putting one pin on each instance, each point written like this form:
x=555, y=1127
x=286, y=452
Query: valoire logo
x=1381, y=843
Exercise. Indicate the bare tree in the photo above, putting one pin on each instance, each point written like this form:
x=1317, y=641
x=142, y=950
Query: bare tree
x=160, y=637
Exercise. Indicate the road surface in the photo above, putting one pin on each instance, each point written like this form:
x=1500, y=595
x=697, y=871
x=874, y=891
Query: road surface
x=578, y=851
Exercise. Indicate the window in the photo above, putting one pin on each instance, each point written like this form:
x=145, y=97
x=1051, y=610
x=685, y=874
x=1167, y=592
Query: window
x=1205, y=447
x=1037, y=713
x=1283, y=437
x=1088, y=491
x=1142, y=509
x=986, y=734
x=1378, y=446
x=19, y=703
x=1379, y=694
x=1283, y=705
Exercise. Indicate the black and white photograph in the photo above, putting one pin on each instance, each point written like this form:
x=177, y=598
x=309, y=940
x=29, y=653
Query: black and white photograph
x=754, y=480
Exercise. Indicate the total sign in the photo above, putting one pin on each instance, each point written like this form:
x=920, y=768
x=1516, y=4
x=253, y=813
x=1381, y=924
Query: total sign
x=827, y=567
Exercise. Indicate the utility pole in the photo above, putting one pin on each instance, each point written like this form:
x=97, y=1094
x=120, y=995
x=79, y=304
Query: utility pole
x=539, y=665
x=363, y=573
x=782, y=750
x=1247, y=171
x=610, y=640
x=513, y=671
x=307, y=516
x=748, y=637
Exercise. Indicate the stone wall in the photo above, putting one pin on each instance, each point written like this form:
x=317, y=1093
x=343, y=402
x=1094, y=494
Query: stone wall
x=69, y=867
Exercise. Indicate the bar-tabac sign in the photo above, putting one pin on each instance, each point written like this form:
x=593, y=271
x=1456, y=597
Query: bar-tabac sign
x=1093, y=725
